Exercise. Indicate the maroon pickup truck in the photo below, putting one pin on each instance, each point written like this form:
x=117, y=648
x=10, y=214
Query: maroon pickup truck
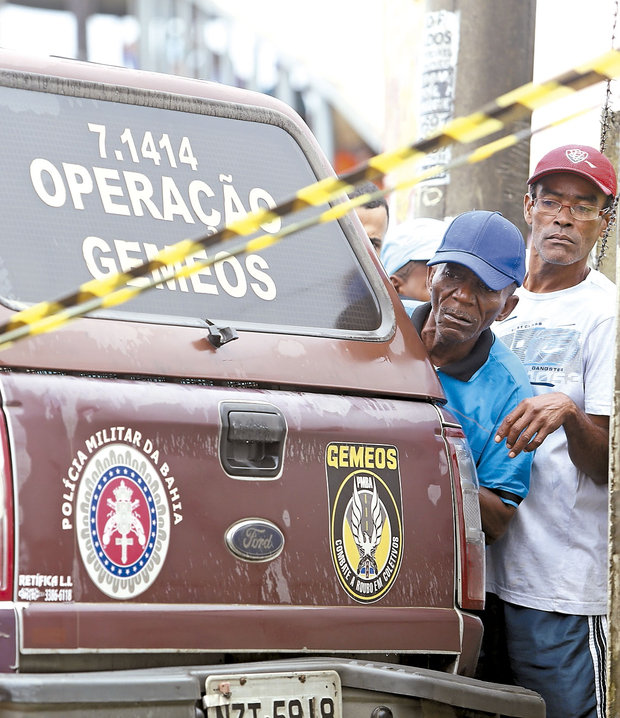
x=237, y=494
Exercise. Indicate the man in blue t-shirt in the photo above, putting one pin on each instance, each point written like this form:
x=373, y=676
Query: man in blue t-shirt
x=472, y=278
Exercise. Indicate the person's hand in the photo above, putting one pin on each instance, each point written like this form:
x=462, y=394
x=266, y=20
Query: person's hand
x=527, y=426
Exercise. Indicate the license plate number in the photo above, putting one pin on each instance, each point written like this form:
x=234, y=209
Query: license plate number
x=297, y=694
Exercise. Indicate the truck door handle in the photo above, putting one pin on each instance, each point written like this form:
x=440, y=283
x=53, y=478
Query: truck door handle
x=252, y=439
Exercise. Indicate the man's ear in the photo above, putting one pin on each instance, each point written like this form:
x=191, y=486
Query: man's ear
x=397, y=282
x=509, y=307
x=606, y=219
x=430, y=271
x=528, y=203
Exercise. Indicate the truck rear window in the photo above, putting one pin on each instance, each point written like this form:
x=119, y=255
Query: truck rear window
x=91, y=186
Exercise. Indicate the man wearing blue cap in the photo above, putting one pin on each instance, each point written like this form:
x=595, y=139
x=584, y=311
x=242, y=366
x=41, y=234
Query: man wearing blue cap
x=472, y=278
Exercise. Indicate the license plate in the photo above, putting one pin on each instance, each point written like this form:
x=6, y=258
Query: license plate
x=298, y=694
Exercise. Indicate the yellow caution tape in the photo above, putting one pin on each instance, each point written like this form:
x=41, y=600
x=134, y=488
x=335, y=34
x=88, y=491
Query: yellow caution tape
x=112, y=290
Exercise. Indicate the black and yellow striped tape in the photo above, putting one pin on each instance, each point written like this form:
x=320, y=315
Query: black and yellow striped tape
x=492, y=118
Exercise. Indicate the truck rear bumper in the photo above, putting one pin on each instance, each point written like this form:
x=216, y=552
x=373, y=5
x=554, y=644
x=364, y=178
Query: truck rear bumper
x=176, y=692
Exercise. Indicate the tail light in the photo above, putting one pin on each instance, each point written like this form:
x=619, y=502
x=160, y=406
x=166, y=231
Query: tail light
x=470, y=537
x=6, y=519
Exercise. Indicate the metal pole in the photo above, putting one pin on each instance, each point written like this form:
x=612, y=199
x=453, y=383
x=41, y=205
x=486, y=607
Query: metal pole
x=82, y=9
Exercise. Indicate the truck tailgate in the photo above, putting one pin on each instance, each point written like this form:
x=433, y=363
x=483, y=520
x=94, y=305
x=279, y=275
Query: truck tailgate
x=138, y=524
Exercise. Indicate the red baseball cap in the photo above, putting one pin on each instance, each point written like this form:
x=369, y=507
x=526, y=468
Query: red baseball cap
x=580, y=160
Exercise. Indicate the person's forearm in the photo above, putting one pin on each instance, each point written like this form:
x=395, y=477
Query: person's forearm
x=588, y=444
x=587, y=435
x=494, y=513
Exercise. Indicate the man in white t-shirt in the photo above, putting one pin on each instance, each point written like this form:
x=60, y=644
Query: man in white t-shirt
x=550, y=568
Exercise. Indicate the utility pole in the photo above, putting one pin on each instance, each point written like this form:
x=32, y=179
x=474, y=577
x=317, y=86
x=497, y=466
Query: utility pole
x=473, y=51
x=608, y=265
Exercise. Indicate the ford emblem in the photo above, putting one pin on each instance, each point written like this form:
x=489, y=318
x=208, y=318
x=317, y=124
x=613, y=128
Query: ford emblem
x=255, y=540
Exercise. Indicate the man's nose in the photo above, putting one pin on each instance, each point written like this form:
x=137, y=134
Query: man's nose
x=564, y=215
x=466, y=292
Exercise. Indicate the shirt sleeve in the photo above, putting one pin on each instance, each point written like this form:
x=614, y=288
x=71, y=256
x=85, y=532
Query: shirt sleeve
x=598, y=359
x=498, y=472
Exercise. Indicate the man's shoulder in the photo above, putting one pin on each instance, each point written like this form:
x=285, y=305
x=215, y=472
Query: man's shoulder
x=590, y=301
x=597, y=283
x=596, y=299
x=507, y=362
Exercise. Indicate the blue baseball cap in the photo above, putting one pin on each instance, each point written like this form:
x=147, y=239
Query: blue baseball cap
x=488, y=244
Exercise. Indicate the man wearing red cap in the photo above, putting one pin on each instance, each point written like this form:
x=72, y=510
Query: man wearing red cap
x=550, y=568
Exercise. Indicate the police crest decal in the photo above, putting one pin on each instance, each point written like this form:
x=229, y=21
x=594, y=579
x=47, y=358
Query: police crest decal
x=365, y=507
x=124, y=527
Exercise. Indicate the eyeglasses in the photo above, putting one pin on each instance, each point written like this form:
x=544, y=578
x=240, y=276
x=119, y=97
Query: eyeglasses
x=583, y=212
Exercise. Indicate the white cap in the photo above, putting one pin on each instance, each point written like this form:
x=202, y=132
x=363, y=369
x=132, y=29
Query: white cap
x=412, y=240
